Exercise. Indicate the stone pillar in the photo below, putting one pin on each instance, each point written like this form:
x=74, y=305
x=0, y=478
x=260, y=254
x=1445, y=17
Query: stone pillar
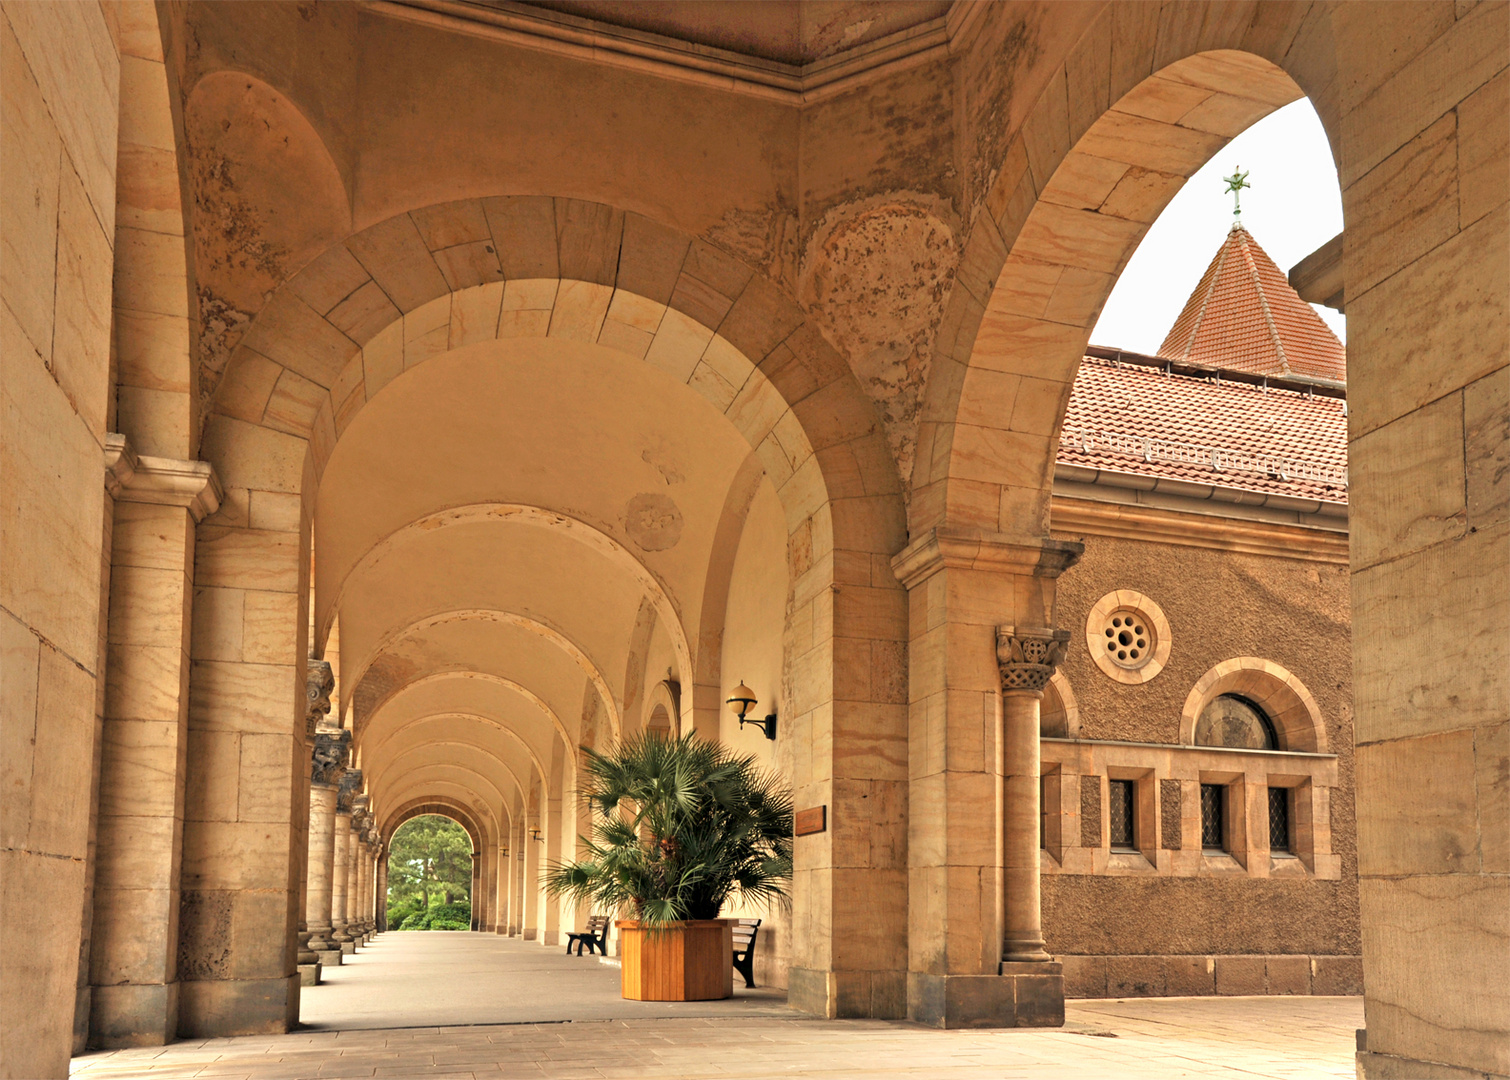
x=341, y=859
x=327, y=762
x=972, y=818
x=144, y=747
x=1026, y=658
x=381, y=893
x=353, y=858
x=329, y=765
x=369, y=881
x=505, y=869
x=530, y=886
x=476, y=889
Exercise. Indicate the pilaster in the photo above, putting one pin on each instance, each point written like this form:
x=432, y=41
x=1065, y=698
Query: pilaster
x=144, y=747
x=964, y=587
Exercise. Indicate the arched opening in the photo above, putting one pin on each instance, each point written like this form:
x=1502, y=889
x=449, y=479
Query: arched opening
x=430, y=867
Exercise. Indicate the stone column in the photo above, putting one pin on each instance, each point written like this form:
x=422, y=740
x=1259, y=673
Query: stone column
x=1026, y=658
x=327, y=762
x=381, y=893
x=476, y=888
x=505, y=908
x=144, y=746
x=341, y=859
x=329, y=765
x=353, y=857
x=369, y=882
x=972, y=818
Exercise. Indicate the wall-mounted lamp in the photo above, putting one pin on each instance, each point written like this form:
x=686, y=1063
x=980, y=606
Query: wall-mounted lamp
x=536, y=835
x=503, y=853
x=741, y=701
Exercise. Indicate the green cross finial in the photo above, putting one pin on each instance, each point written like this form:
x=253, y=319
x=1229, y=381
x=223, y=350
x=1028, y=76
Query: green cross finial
x=1235, y=184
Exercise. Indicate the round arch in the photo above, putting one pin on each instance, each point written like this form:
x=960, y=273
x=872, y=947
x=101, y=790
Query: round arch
x=442, y=805
x=666, y=697
x=475, y=718
x=564, y=524
x=534, y=625
x=394, y=766
x=1075, y=193
x=1289, y=706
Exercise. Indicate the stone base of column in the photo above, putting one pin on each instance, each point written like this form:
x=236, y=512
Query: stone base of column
x=133, y=1015
x=1023, y=995
x=349, y=948
x=840, y=995
x=309, y=974
x=217, y=1007
x=329, y=957
x=1391, y=1067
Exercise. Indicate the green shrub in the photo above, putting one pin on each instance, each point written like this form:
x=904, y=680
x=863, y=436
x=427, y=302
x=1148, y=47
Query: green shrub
x=439, y=917
x=401, y=911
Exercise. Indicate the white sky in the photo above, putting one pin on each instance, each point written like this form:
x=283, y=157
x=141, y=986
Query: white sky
x=1293, y=207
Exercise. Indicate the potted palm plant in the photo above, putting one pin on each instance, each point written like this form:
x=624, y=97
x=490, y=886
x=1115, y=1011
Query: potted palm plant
x=680, y=825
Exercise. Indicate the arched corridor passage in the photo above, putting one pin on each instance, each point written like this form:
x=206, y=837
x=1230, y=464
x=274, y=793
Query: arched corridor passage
x=518, y=380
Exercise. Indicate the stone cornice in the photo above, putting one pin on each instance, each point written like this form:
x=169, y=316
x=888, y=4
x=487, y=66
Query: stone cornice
x=557, y=32
x=1081, y=517
x=160, y=481
x=972, y=549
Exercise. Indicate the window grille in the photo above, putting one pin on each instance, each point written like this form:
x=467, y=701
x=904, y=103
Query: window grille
x=1213, y=814
x=1120, y=812
x=1279, y=819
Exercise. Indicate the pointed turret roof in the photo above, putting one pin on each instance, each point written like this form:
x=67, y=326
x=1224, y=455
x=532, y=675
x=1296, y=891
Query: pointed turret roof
x=1244, y=316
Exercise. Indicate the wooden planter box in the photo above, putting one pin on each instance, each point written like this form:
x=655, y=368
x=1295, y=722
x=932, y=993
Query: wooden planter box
x=684, y=961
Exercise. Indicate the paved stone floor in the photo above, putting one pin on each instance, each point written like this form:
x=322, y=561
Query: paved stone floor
x=579, y=1029
x=426, y=979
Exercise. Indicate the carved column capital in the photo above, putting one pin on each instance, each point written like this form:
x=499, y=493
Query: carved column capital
x=328, y=757
x=346, y=793
x=319, y=681
x=1026, y=656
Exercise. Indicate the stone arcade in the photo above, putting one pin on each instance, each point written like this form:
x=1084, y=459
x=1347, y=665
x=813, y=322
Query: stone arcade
x=547, y=370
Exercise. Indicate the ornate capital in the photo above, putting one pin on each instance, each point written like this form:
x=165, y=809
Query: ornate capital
x=319, y=681
x=346, y=794
x=328, y=757
x=1026, y=656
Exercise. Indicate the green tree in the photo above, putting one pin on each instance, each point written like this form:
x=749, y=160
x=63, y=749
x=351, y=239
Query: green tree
x=430, y=856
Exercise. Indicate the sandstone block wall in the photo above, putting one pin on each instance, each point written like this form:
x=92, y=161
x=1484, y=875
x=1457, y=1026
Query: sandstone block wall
x=58, y=120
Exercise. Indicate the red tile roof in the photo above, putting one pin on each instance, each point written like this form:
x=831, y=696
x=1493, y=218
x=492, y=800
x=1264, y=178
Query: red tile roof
x=1244, y=316
x=1139, y=419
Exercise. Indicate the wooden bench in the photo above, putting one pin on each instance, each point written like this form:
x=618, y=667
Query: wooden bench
x=594, y=937
x=745, y=932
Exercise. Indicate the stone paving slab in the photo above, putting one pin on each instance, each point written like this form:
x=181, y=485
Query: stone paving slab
x=754, y=1039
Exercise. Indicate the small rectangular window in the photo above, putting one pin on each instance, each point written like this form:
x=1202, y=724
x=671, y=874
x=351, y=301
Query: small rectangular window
x=1279, y=819
x=1213, y=817
x=1123, y=819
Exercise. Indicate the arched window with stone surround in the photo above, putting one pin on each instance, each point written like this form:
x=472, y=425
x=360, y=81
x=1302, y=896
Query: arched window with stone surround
x=1235, y=722
x=1251, y=703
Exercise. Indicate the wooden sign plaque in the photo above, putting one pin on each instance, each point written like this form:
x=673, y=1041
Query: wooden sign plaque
x=814, y=820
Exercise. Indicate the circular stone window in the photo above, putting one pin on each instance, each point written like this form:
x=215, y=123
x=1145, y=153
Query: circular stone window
x=1128, y=636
